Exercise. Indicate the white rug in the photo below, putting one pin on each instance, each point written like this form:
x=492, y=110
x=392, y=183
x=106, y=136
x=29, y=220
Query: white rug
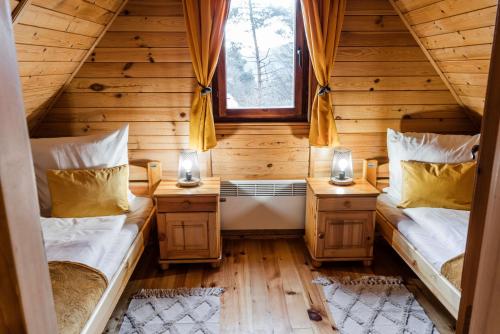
x=375, y=305
x=176, y=311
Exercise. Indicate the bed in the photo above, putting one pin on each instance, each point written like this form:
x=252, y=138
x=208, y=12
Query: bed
x=86, y=288
x=422, y=260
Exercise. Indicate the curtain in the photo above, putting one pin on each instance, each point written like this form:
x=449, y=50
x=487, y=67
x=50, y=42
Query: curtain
x=205, y=20
x=323, y=24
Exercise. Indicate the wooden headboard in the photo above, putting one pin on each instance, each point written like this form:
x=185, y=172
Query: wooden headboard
x=144, y=176
x=377, y=172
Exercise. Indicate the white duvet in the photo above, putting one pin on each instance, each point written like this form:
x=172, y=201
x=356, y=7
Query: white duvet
x=447, y=226
x=81, y=240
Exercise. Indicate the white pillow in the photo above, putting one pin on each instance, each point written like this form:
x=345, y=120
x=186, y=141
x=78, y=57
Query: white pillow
x=424, y=147
x=96, y=151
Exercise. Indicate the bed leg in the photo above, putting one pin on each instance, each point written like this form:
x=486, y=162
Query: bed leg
x=215, y=265
x=164, y=266
x=367, y=263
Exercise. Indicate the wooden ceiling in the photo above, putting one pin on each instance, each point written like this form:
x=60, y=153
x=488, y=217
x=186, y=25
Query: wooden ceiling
x=53, y=38
x=140, y=74
x=457, y=36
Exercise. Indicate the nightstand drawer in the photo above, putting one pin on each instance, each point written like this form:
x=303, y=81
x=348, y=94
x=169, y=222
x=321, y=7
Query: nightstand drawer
x=347, y=203
x=187, y=204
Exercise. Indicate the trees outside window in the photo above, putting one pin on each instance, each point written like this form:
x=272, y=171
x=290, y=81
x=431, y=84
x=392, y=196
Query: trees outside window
x=263, y=63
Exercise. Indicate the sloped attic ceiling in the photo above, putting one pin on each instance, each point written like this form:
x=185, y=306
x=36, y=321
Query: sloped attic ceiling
x=53, y=37
x=140, y=73
x=457, y=35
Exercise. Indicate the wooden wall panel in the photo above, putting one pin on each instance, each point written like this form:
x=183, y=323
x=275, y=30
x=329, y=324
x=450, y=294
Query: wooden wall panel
x=458, y=35
x=52, y=39
x=140, y=73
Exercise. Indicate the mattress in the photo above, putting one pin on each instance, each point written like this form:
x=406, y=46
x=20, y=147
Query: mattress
x=434, y=251
x=140, y=208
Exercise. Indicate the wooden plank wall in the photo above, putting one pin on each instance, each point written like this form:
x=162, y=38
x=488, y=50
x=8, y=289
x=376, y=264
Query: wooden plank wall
x=52, y=38
x=141, y=74
x=458, y=35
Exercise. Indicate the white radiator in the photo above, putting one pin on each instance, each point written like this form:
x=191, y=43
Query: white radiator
x=257, y=205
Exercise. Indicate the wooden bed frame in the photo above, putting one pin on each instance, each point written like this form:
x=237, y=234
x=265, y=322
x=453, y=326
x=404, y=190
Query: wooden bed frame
x=144, y=177
x=377, y=173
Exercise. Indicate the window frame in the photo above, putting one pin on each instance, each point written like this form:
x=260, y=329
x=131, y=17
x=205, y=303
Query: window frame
x=298, y=113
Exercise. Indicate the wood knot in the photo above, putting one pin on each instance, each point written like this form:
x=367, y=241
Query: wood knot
x=376, y=80
x=97, y=87
x=127, y=66
x=269, y=165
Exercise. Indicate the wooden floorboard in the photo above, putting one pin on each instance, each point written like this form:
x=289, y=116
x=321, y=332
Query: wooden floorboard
x=269, y=285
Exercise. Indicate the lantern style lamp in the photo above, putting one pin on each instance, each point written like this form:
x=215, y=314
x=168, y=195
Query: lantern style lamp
x=342, y=174
x=189, y=170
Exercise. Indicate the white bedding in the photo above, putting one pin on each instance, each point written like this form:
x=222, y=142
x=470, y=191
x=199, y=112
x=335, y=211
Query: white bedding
x=427, y=243
x=446, y=225
x=103, y=241
x=81, y=240
x=140, y=208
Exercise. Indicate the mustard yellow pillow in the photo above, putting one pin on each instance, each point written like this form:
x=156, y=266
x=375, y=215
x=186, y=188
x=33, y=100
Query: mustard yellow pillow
x=437, y=185
x=88, y=192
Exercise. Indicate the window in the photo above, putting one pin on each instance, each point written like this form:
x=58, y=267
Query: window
x=263, y=64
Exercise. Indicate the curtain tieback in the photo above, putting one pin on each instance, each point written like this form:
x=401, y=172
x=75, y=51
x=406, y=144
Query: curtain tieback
x=205, y=89
x=324, y=90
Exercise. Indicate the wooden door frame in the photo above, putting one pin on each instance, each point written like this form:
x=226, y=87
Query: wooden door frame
x=26, y=302
x=480, y=303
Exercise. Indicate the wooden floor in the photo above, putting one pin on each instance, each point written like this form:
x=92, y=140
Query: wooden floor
x=268, y=285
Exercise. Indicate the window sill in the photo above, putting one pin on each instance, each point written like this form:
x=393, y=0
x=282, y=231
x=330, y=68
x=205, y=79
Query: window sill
x=271, y=128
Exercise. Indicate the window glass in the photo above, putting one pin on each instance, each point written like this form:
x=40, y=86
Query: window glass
x=260, y=54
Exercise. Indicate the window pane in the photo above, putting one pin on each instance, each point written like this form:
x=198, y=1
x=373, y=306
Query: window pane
x=260, y=49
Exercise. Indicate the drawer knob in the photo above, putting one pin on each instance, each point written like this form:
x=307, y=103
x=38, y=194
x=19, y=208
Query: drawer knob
x=347, y=204
x=321, y=235
x=186, y=204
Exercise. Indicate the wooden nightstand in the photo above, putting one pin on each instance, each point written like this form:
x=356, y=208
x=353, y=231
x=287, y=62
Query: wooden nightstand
x=189, y=222
x=340, y=221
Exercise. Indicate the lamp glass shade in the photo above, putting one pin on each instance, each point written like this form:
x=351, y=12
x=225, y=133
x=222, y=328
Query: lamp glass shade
x=189, y=169
x=342, y=173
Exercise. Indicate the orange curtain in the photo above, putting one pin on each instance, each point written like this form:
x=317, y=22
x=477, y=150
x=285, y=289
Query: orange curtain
x=323, y=24
x=205, y=20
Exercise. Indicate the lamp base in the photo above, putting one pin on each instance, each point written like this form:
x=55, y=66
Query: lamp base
x=194, y=182
x=338, y=182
